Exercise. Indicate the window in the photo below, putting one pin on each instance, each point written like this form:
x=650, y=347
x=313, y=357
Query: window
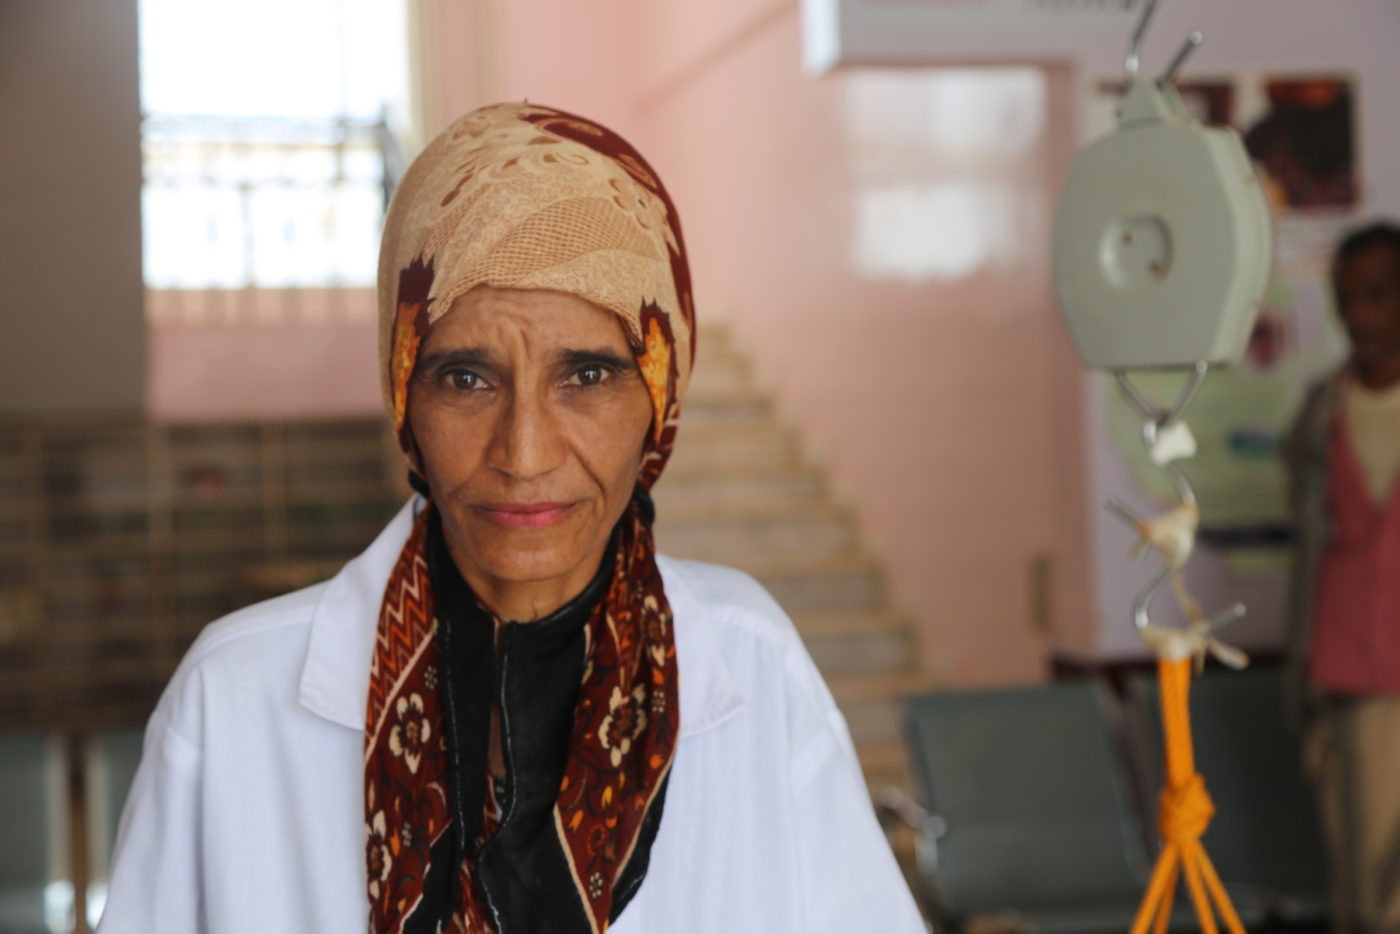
x=946, y=165
x=270, y=140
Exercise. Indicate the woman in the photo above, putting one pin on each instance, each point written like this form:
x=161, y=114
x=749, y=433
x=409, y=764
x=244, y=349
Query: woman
x=509, y=714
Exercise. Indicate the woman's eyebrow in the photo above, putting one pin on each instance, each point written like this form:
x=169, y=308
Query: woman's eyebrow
x=471, y=357
x=600, y=357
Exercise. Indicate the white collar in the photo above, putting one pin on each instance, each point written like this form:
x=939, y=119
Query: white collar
x=335, y=678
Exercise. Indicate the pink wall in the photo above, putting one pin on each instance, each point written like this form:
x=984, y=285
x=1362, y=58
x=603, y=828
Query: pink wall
x=250, y=354
x=573, y=56
x=70, y=225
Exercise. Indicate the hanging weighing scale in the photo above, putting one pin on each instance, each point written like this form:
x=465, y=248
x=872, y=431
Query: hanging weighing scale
x=1161, y=255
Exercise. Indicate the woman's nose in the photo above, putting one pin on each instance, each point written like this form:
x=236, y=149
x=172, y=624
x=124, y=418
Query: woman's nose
x=527, y=441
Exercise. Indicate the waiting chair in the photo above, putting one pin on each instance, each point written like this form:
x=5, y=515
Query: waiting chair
x=1264, y=840
x=112, y=758
x=1031, y=791
x=36, y=889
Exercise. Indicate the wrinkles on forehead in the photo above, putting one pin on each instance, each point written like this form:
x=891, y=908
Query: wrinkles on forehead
x=536, y=324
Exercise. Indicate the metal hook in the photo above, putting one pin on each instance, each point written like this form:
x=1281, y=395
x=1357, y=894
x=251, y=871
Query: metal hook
x=1129, y=517
x=1158, y=419
x=1192, y=42
x=1193, y=384
x=1221, y=620
x=1155, y=421
x=1148, y=594
x=1134, y=60
x=1144, y=600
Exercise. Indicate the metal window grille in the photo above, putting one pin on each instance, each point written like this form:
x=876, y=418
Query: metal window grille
x=232, y=203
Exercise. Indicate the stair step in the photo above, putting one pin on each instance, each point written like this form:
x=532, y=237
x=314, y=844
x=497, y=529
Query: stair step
x=722, y=532
x=721, y=386
x=705, y=447
x=720, y=511
x=816, y=582
x=858, y=642
x=836, y=623
x=716, y=347
x=730, y=371
x=792, y=469
x=758, y=486
x=726, y=377
x=726, y=408
x=867, y=686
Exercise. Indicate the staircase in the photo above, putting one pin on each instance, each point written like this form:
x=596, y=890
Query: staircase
x=740, y=491
x=120, y=540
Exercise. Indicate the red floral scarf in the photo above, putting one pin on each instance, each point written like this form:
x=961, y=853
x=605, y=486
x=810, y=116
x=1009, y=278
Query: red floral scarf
x=594, y=842
x=624, y=734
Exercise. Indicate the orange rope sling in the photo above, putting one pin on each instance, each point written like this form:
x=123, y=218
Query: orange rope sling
x=1184, y=812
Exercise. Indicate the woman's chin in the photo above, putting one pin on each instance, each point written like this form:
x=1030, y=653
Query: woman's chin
x=517, y=561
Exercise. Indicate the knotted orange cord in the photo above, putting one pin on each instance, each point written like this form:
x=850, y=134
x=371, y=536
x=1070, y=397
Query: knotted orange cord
x=1184, y=812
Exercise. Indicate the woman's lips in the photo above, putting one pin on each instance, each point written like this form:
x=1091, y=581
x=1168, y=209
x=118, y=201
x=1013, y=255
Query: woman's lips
x=524, y=515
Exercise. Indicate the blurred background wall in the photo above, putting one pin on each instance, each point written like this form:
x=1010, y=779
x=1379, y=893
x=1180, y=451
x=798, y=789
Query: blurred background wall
x=70, y=208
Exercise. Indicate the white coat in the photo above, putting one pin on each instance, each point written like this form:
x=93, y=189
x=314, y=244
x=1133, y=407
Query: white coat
x=247, y=812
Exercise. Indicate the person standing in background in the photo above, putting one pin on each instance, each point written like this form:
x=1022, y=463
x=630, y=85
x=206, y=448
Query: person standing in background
x=1343, y=457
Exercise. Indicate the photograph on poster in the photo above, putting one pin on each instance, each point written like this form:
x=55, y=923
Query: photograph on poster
x=1300, y=131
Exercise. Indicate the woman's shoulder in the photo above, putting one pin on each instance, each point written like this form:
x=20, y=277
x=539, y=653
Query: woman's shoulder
x=251, y=628
x=262, y=642
x=727, y=597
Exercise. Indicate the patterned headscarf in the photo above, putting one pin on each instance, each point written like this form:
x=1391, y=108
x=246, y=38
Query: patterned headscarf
x=526, y=197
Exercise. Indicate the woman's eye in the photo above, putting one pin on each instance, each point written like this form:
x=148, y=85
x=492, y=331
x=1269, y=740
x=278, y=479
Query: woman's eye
x=464, y=380
x=590, y=375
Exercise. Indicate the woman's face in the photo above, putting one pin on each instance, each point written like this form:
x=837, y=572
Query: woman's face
x=530, y=417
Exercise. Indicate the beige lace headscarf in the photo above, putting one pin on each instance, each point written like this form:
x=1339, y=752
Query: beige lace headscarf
x=525, y=197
